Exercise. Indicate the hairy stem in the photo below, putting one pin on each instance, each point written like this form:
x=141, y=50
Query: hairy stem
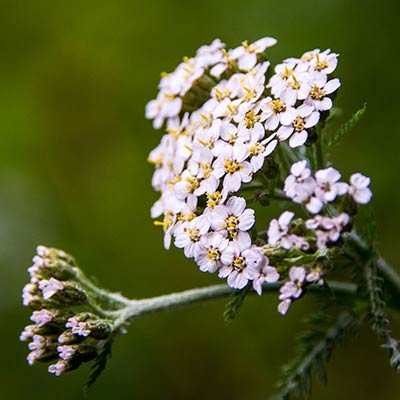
x=389, y=274
x=174, y=300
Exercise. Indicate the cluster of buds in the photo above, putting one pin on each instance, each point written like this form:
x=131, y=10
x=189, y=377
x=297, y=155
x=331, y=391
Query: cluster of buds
x=244, y=126
x=70, y=326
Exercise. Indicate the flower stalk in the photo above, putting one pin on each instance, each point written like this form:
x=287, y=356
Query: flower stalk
x=136, y=308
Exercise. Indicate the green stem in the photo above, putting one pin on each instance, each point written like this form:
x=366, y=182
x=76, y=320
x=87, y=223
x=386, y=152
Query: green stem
x=136, y=308
x=319, y=154
x=388, y=273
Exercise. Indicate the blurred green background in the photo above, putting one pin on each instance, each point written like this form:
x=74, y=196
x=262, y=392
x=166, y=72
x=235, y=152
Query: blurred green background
x=74, y=80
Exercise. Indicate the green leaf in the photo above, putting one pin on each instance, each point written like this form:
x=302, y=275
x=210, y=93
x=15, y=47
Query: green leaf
x=99, y=364
x=314, y=349
x=332, y=140
x=233, y=306
x=379, y=318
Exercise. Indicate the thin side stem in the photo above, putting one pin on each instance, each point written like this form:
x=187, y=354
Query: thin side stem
x=388, y=273
x=383, y=267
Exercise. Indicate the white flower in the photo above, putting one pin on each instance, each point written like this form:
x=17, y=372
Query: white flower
x=240, y=264
x=231, y=135
x=359, y=189
x=232, y=164
x=164, y=106
x=272, y=110
x=248, y=120
x=226, y=62
x=214, y=196
x=295, y=123
x=267, y=274
x=279, y=81
x=251, y=85
x=315, y=94
x=327, y=229
x=186, y=185
x=233, y=218
x=328, y=186
x=278, y=231
x=246, y=54
x=227, y=108
x=293, y=288
x=324, y=62
x=208, y=257
x=299, y=185
x=260, y=150
x=210, y=54
x=168, y=224
x=188, y=235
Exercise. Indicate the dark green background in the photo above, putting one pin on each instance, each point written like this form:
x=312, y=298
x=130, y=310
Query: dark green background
x=74, y=80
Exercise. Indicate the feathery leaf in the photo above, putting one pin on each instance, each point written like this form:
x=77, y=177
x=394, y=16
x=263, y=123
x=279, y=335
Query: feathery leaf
x=233, y=306
x=332, y=140
x=379, y=318
x=314, y=349
x=99, y=364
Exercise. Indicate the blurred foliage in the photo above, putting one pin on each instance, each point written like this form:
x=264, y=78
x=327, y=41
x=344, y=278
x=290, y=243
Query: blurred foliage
x=74, y=78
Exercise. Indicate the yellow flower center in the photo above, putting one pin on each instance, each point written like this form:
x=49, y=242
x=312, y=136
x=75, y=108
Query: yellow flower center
x=213, y=199
x=250, y=119
x=316, y=93
x=320, y=65
x=213, y=253
x=194, y=234
x=232, y=223
x=232, y=166
x=258, y=148
x=298, y=123
x=193, y=184
x=294, y=83
x=221, y=94
x=249, y=47
x=278, y=106
x=286, y=73
x=167, y=221
x=239, y=264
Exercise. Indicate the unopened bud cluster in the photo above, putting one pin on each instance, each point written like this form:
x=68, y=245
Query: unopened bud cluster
x=69, y=327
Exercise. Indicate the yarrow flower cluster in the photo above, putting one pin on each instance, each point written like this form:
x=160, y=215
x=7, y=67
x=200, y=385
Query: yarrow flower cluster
x=68, y=328
x=227, y=127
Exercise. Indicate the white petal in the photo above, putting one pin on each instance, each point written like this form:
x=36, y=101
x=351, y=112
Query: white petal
x=246, y=220
x=298, y=138
x=284, y=132
x=312, y=120
x=236, y=205
x=332, y=85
